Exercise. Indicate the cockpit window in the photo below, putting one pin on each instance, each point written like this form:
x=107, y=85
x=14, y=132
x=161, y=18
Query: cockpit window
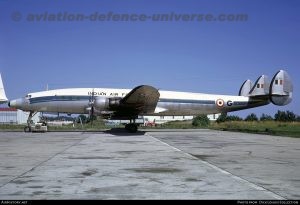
x=28, y=96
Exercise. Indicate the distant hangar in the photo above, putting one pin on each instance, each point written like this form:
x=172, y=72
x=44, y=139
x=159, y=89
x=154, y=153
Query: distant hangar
x=14, y=116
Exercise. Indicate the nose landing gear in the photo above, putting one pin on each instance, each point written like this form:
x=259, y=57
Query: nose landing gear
x=29, y=121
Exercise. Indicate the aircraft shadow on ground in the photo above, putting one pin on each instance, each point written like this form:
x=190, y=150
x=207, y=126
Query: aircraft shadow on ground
x=123, y=132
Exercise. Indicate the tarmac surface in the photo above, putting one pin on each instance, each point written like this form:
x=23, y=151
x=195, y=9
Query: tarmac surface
x=168, y=164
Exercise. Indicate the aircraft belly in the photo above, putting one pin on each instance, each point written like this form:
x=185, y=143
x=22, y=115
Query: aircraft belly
x=186, y=108
x=202, y=108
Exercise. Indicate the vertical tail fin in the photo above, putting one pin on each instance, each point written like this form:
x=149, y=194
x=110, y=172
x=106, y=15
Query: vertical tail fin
x=279, y=91
x=245, y=88
x=281, y=88
x=261, y=87
x=3, y=98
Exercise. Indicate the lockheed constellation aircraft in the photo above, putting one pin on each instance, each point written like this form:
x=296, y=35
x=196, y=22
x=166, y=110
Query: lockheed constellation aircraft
x=146, y=100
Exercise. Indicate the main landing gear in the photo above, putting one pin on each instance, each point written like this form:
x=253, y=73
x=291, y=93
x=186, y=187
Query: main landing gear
x=132, y=127
x=29, y=121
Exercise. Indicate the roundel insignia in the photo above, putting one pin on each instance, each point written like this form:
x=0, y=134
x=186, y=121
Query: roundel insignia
x=220, y=103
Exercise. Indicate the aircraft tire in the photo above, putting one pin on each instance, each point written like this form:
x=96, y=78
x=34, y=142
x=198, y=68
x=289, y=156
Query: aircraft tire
x=132, y=128
x=27, y=129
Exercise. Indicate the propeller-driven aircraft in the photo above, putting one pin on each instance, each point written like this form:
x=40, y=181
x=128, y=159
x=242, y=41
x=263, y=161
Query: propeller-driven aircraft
x=128, y=104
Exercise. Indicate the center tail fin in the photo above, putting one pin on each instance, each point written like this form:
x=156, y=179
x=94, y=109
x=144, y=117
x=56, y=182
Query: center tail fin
x=260, y=87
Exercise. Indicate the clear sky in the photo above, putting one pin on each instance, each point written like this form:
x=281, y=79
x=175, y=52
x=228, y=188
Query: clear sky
x=208, y=56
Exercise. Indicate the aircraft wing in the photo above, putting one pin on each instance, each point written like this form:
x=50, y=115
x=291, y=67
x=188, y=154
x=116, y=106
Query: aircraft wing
x=139, y=101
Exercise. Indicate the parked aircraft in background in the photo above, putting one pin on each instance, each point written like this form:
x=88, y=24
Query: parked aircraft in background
x=126, y=104
x=3, y=98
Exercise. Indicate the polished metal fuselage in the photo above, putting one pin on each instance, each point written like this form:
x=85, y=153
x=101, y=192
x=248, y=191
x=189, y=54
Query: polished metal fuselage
x=77, y=101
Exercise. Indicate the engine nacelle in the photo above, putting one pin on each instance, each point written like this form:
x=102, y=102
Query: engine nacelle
x=101, y=103
x=114, y=102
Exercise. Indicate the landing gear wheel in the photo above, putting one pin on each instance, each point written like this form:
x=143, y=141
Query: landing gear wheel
x=27, y=129
x=132, y=128
x=29, y=121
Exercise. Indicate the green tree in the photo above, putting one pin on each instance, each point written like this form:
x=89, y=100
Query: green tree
x=265, y=117
x=280, y=116
x=283, y=116
x=222, y=118
x=91, y=118
x=251, y=117
x=233, y=118
x=201, y=121
x=83, y=119
x=291, y=116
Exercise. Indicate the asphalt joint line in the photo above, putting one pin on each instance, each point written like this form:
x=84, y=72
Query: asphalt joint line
x=39, y=164
x=237, y=178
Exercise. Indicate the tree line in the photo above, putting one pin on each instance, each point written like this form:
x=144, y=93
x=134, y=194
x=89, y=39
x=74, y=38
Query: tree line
x=281, y=116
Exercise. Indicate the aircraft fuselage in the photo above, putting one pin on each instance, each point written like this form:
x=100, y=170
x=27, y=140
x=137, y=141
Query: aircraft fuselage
x=76, y=100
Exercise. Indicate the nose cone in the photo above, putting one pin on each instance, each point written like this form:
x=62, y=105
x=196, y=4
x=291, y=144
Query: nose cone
x=15, y=103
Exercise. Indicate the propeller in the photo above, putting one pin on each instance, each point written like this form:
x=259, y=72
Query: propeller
x=92, y=110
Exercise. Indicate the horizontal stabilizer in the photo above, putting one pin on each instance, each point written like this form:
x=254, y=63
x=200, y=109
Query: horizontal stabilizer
x=245, y=88
x=261, y=87
x=3, y=98
x=281, y=88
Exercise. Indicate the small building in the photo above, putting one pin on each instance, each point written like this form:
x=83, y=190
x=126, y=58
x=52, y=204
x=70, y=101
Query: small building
x=8, y=116
x=14, y=116
x=164, y=119
x=213, y=117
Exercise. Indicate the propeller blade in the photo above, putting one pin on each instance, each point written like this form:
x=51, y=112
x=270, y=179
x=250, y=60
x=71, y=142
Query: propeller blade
x=92, y=102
